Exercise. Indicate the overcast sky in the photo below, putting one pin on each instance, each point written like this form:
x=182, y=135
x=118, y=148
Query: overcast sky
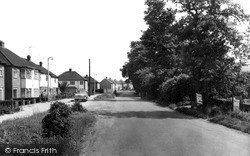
x=72, y=31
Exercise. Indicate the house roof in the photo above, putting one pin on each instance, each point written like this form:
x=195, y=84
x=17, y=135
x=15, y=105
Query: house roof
x=71, y=76
x=10, y=58
x=121, y=81
x=42, y=69
x=91, y=79
x=14, y=59
x=112, y=81
x=3, y=60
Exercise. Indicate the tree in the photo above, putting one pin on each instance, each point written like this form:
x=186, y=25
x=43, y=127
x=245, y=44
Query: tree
x=63, y=86
x=208, y=41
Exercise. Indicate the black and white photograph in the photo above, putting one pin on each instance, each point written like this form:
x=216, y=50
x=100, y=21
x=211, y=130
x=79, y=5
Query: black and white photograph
x=125, y=78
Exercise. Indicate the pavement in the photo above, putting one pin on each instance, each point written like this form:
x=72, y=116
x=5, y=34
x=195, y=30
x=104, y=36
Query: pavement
x=29, y=110
x=130, y=126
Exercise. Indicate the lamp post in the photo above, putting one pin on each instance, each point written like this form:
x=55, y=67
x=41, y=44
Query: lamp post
x=48, y=78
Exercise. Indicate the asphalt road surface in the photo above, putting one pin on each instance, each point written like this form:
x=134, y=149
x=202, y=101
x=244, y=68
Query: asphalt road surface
x=130, y=126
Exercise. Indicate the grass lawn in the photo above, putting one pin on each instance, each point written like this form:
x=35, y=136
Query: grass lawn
x=29, y=131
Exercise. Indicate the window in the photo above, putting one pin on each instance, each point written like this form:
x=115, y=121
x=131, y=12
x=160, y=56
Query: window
x=36, y=75
x=54, y=80
x=28, y=74
x=46, y=77
x=36, y=92
x=72, y=82
x=23, y=76
x=14, y=93
x=15, y=73
x=1, y=94
x=81, y=82
x=1, y=72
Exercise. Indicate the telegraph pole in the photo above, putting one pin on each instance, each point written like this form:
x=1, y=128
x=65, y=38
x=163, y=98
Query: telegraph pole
x=89, y=78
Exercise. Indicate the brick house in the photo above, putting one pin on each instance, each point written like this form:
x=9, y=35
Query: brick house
x=3, y=63
x=75, y=81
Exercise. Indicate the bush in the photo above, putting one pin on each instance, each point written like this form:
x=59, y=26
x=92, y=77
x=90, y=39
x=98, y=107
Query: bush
x=5, y=110
x=244, y=116
x=192, y=112
x=215, y=110
x=77, y=107
x=8, y=106
x=57, y=122
x=177, y=89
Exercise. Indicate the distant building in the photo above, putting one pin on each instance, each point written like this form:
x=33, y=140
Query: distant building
x=93, y=83
x=75, y=81
x=108, y=85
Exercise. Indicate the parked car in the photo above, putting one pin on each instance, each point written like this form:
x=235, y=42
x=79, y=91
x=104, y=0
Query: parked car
x=82, y=96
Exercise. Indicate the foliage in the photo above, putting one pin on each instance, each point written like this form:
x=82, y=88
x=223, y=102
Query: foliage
x=235, y=120
x=29, y=131
x=177, y=89
x=77, y=107
x=57, y=122
x=63, y=87
x=192, y=112
x=8, y=106
x=193, y=39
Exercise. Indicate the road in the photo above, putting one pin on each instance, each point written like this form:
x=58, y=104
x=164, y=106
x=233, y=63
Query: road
x=130, y=126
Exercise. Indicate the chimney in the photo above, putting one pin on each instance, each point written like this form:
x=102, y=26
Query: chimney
x=41, y=63
x=106, y=77
x=70, y=69
x=1, y=44
x=28, y=57
x=87, y=75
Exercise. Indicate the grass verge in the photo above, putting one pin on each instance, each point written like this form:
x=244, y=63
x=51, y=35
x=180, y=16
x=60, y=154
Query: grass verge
x=237, y=120
x=29, y=131
x=105, y=96
x=191, y=112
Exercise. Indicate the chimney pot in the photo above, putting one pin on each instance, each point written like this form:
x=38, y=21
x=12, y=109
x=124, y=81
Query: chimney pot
x=41, y=63
x=28, y=57
x=70, y=69
x=1, y=44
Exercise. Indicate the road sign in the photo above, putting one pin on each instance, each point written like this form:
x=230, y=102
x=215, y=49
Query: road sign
x=198, y=98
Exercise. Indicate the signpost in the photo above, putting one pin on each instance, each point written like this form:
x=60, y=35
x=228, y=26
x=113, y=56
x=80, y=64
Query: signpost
x=198, y=98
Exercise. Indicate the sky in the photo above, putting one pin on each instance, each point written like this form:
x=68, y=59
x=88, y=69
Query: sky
x=74, y=31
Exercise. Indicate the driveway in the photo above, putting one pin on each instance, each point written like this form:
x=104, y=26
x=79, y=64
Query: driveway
x=130, y=126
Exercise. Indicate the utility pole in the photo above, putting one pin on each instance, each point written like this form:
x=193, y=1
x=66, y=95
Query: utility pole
x=89, y=78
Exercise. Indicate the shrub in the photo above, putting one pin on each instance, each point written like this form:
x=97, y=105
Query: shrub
x=57, y=122
x=192, y=112
x=5, y=110
x=61, y=108
x=77, y=107
x=177, y=89
x=245, y=116
x=172, y=106
x=215, y=110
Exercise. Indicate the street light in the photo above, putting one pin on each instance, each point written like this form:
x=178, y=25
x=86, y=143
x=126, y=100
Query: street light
x=48, y=78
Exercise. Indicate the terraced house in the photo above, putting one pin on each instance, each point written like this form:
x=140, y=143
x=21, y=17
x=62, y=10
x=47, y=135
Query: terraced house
x=21, y=77
x=53, y=82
